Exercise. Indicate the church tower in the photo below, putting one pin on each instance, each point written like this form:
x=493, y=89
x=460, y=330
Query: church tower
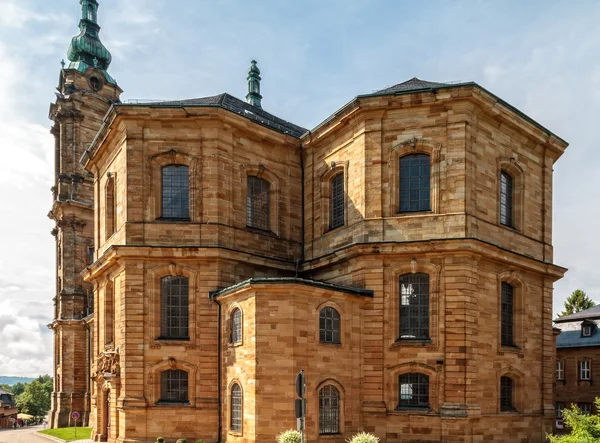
x=84, y=94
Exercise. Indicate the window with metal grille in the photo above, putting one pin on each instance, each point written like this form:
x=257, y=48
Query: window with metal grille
x=174, y=386
x=236, y=408
x=560, y=370
x=329, y=410
x=560, y=407
x=506, y=394
x=257, y=203
x=506, y=199
x=175, y=192
x=507, y=324
x=414, y=306
x=174, y=307
x=585, y=408
x=329, y=325
x=585, y=371
x=110, y=209
x=337, y=201
x=236, y=326
x=415, y=183
x=413, y=391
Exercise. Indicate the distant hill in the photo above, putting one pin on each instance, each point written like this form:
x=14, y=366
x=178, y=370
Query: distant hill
x=14, y=380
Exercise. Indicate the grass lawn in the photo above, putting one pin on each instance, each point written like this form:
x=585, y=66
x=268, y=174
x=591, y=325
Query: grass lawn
x=69, y=433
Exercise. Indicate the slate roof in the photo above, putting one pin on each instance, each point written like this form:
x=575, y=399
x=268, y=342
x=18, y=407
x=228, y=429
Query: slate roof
x=593, y=312
x=573, y=339
x=414, y=84
x=3, y=391
x=240, y=107
x=295, y=280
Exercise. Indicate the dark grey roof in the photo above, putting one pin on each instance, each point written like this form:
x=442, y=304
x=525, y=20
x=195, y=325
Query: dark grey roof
x=295, y=280
x=593, y=312
x=414, y=84
x=573, y=339
x=3, y=391
x=240, y=107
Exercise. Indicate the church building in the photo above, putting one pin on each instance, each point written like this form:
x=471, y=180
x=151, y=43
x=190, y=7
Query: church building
x=400, y=253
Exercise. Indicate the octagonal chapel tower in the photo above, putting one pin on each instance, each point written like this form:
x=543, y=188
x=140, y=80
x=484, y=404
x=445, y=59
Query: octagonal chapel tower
x=84, y=94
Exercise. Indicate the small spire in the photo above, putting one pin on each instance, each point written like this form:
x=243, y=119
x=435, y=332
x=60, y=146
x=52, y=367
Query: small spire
x=253, y=97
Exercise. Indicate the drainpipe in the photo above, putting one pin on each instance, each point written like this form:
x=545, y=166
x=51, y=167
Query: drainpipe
x=211, y=297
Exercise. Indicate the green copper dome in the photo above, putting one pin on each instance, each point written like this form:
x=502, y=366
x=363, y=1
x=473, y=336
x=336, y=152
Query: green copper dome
x=86, y=49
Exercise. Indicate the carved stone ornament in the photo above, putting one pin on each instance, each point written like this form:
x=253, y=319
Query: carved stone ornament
x=108, y=364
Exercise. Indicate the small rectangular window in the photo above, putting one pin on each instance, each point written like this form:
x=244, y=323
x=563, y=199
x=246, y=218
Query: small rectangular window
x=586, y=330
x=585, y=371
x=337, y=201
x=90, y=256
x=257, y=203
x=560, y=371
x=175, y=192
x=415, y=183
x=506, y=199
x=586, y=408
x=559, y=409
x=507, y=332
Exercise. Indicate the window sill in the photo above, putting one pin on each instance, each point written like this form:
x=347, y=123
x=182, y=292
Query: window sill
x=235, y=345
x=261, y=231
x=405, y=410
x=330, y=229
x=512, y=349
x=510, y=227
x=332, y=435
x=332, y=345
x=235, y=433
x=510, y=412
x=412, y=213
x=173, y=220
x=175, y=339
x=173, y=403
x=412, y=343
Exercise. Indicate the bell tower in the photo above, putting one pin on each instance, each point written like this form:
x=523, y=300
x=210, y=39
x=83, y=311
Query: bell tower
x=84, y=94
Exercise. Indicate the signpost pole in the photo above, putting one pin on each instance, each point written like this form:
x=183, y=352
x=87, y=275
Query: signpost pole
x=75, y=416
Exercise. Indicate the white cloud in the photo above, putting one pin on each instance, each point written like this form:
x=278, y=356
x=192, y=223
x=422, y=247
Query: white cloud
x=13, y=14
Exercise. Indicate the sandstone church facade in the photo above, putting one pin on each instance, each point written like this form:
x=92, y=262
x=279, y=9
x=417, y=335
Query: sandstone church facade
x=400, y=253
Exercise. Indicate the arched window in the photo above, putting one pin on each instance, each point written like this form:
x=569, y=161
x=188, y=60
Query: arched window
x=236, y=408
x=257, y=203
x=413, y=391
x=506, y=394
x=336, y=218
x=175, y=192
x=506, y=199
x=236, y=326
x=415, y=183
x=507, y=321
x=329, y=326
x=414, y=306
x=110, y=209
x=329, y=410
x=174, y=386
x=174, y=307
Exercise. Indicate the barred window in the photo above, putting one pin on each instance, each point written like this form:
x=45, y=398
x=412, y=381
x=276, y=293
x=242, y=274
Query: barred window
x=236, y=326
x=585, y=408
x=585, y=370
x=415, y=183
x=175, y=192
x=506, y=394
x=337, y=201
x=257, y=203
x=329, y=325
x=506, y=199
x=414, y=306
x=236, y=408
x=560, y=370
x=329, y=410
x=413, y=390
x=174, y=307
x=174, y=386
x=110, y=209
x=507, y=324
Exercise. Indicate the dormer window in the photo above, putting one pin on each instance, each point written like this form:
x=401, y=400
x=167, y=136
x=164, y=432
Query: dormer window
x=586, y=330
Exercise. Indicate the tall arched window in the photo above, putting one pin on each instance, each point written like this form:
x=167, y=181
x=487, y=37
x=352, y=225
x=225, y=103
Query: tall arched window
x=506, y=199
x=415, y=183
x=506, y=394
x=174, y=307
x=329, y=325
x=236, y=326
x=175, y=192
x=329, y=410
x=174, y=386
x=507, y=320
x=110, y=209
x=414, y=306
x=257, y=203
x=336, y=218
x=236, y=408
x=413, y=391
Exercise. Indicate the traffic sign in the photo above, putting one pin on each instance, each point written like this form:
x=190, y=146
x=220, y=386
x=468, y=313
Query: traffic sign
x=75, y=415
x=300, y=384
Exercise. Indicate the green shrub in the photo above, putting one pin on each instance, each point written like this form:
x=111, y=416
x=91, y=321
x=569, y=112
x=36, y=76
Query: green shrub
x=200, y=441
x=160, y=440
x=363, y=437
x=291, y=436
x=182, y=440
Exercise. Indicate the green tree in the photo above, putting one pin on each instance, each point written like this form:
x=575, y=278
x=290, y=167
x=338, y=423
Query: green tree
x=577, y=301
x=585, y=428
x=35, y=400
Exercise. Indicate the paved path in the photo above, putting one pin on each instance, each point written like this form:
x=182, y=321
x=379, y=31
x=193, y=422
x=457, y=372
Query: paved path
x=26, y=435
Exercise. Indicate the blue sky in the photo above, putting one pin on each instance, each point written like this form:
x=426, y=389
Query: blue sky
x=540, y=56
